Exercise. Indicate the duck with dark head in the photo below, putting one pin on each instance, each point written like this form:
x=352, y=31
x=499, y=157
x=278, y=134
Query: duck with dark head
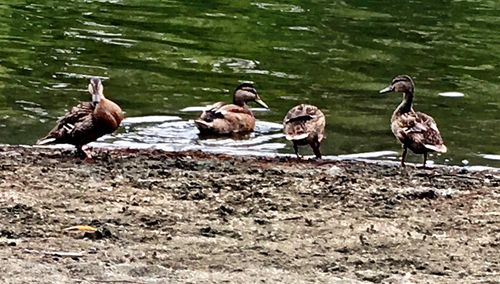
x=416, y=131
x=235, y=118
x=87, y=121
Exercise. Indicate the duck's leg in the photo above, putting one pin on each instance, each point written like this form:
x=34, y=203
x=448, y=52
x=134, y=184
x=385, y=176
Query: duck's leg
x=315, y=146
x=425, y=160
x=79, y=152
x=296, y=149
x=403, y=156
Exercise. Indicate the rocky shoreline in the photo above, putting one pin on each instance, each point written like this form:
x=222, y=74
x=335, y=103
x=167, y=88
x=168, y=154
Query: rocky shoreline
x=201, y=218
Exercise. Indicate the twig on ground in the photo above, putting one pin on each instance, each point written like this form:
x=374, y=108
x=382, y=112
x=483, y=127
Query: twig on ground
x=109, y=281
x=55, y=253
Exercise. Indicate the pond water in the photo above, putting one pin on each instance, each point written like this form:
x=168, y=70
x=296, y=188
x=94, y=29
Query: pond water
x=158, y=58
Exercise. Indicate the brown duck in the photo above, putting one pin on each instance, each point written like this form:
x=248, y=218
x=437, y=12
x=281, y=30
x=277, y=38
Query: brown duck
x=305, y=125
x=87, y=121
x=416, y=131
x=235, y=118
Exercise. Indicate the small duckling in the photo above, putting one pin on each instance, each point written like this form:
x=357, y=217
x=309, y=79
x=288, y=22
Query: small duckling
x=235, y=118
x=303, y=125
x=86, y=122
x=416, y=131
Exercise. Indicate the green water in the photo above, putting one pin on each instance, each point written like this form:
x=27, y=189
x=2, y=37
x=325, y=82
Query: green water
x=158, y=57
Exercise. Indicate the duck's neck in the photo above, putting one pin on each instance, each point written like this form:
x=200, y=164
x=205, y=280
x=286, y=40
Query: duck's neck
x=97, y=98
x=406, y=105
x=239, y=102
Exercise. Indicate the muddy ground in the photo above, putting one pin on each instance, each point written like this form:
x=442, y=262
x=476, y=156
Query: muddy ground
x=199, y=218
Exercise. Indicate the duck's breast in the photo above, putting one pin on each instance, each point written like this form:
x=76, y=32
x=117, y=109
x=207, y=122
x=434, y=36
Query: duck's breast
x=107, y=116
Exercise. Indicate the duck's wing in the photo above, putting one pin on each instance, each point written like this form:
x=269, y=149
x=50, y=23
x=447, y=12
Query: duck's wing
x=76, y=121
x=212, y=112
x=224, y=118
x=223, y=111
x=302, y=121
x=420, y=128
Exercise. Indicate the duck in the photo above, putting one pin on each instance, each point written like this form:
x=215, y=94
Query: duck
x=227, y=119
x=86, y=122
x=305, y=125
x=416, y=131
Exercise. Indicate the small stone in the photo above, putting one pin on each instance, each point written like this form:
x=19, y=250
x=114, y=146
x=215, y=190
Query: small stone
x=334, y=171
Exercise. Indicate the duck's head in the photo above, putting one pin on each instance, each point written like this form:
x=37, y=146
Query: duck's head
x=400, y=84
x=96, y=89
x=245, y=93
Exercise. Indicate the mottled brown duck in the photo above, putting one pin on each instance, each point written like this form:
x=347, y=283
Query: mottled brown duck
x=416, y=131
x=235, y=118
x=305, y=125
x=87, y=121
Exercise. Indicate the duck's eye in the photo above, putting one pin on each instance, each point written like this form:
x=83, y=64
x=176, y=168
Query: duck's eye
x=396, y=81
x=251, y=90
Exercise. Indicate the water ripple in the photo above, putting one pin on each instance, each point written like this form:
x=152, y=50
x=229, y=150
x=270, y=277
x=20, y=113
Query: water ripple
x=160, y=56
x=173, y=134
x=235, y=64
x=102, y=36
x=285, y=8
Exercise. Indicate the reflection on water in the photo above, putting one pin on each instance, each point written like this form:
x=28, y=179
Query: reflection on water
x=160, y=57
x=451, y=94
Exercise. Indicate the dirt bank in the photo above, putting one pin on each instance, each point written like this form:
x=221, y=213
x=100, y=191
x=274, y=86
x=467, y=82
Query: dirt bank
x=199, y=218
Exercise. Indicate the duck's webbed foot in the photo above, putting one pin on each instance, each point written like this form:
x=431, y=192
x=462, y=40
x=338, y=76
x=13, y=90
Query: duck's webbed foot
x=403, y=156
x=83, y=153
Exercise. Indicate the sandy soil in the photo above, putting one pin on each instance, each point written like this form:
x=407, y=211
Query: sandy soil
x=199, y=218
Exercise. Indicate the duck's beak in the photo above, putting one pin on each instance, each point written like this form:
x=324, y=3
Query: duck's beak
x=96, y=91
x=388, y=89
x=261, y=103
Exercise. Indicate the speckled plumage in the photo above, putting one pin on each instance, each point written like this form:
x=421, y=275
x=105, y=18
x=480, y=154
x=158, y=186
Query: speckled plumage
x=87, y=121
x=305, y=125
x=235, y=118
x=416, y=131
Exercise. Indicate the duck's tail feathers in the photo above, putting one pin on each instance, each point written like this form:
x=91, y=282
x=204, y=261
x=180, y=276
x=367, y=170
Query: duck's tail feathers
x=291, y=137
x=438, y=148
x=46, y=141
x=203, y=125
x=305, y=117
